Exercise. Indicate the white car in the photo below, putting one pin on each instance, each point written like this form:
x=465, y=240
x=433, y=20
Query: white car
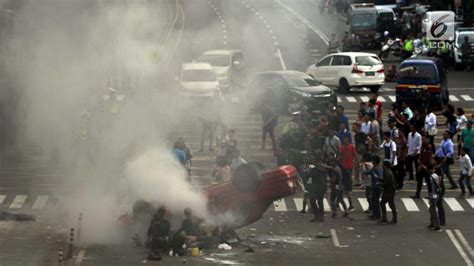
x=198, y=79
x=460, y=34
x=349, y=70
x=223, y=62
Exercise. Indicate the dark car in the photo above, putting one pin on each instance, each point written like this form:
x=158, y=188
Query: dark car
x=422, y=80
x=290, y=86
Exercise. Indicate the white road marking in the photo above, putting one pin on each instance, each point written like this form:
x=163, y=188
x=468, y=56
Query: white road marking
x=40, y=202
x=453, y=98
x=298, y=203
x=382, y=99
x=454, y=204
x=364, y=98
x=347, y=204
x=351, y=99
x=335, y=239
x=2, y=198
x=470, y=201
x=392, y=98
x=410, y=205
x=363, y=203
x=282, y=62
x=80, y=256
x=467, y=98
x=306, y=22
x=280, y=205
x=464, y=242
x=327, y=207
x=459, y=248
x=427, y=203
x=339, y=100
x=18, y=202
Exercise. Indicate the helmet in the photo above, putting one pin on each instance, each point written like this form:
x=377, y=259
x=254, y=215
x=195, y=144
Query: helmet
x=386, y=33
x=416, y=42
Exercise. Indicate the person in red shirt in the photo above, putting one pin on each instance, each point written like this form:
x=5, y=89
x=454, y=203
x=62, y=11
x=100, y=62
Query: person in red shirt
x=347, y=153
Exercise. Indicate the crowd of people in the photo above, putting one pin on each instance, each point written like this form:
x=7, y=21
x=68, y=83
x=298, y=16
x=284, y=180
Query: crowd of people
x=380, y=154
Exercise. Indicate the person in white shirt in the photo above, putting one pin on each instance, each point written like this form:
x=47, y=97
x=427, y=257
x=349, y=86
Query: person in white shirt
x=465, y=165
x=414, y=146
x=462, y=122
x=389, y=149
x=407, y=110
x=365, y=127
x=430, y=126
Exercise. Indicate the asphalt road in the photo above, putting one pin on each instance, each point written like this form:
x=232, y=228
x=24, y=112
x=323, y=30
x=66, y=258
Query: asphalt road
x=273, y=35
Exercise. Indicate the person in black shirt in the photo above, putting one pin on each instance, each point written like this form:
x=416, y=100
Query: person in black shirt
x=418, y=120
x=388, y=193
x=158, y=233
x=189, y=231
x=360, y=141
x=451, y=120
x=317, y=174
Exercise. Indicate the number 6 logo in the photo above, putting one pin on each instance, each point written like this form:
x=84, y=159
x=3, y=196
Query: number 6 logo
x=439, y=23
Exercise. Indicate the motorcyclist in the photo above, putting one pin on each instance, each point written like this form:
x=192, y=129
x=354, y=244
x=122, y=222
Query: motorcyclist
x=408, y=47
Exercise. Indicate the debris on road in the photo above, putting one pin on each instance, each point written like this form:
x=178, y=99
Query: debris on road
x=9, y=216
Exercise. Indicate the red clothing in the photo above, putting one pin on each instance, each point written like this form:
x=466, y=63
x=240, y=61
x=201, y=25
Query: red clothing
x=348, y=153
x=426, y=154
x=379, y=105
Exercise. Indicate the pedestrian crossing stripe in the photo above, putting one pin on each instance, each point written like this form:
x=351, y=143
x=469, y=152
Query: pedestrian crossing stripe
x=351, y=99
x=40, y=202
x=453, y=98
x=453, y=204
x=471, y=202
x=364, y=98
x=363, y=203
x=280, y=205
x=467, y=97
x=19, y=202
x=391, y=98
x=409, y=204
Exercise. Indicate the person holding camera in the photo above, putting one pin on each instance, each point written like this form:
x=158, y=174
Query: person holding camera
x=445, y=153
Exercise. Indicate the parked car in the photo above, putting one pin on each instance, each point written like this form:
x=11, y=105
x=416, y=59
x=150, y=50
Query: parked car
x=422, y=80
x=224, y=62
x=286, y=86
x=458, y=41
x=199, y=80
x=349, y=70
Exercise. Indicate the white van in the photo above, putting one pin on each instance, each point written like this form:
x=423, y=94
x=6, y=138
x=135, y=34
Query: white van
x=198, y=79
x=430, y=17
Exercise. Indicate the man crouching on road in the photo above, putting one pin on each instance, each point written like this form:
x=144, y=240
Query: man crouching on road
x=188, y=232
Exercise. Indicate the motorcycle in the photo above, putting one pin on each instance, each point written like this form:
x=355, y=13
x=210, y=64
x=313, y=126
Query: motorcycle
x=391, y=46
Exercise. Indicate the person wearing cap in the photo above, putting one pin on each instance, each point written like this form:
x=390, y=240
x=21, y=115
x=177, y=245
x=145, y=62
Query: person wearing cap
x=467, y=138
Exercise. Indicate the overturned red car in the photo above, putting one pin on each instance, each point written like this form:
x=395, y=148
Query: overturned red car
x=241, y=201
x=249, y=194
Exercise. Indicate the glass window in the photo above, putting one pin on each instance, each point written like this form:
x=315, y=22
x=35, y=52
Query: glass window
x=216, y=60
x=346, y=61
x=198, y=75
x=367, y=60
x=325, y=61
x=418, y=72
x=337, y=60
x=364, y=21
